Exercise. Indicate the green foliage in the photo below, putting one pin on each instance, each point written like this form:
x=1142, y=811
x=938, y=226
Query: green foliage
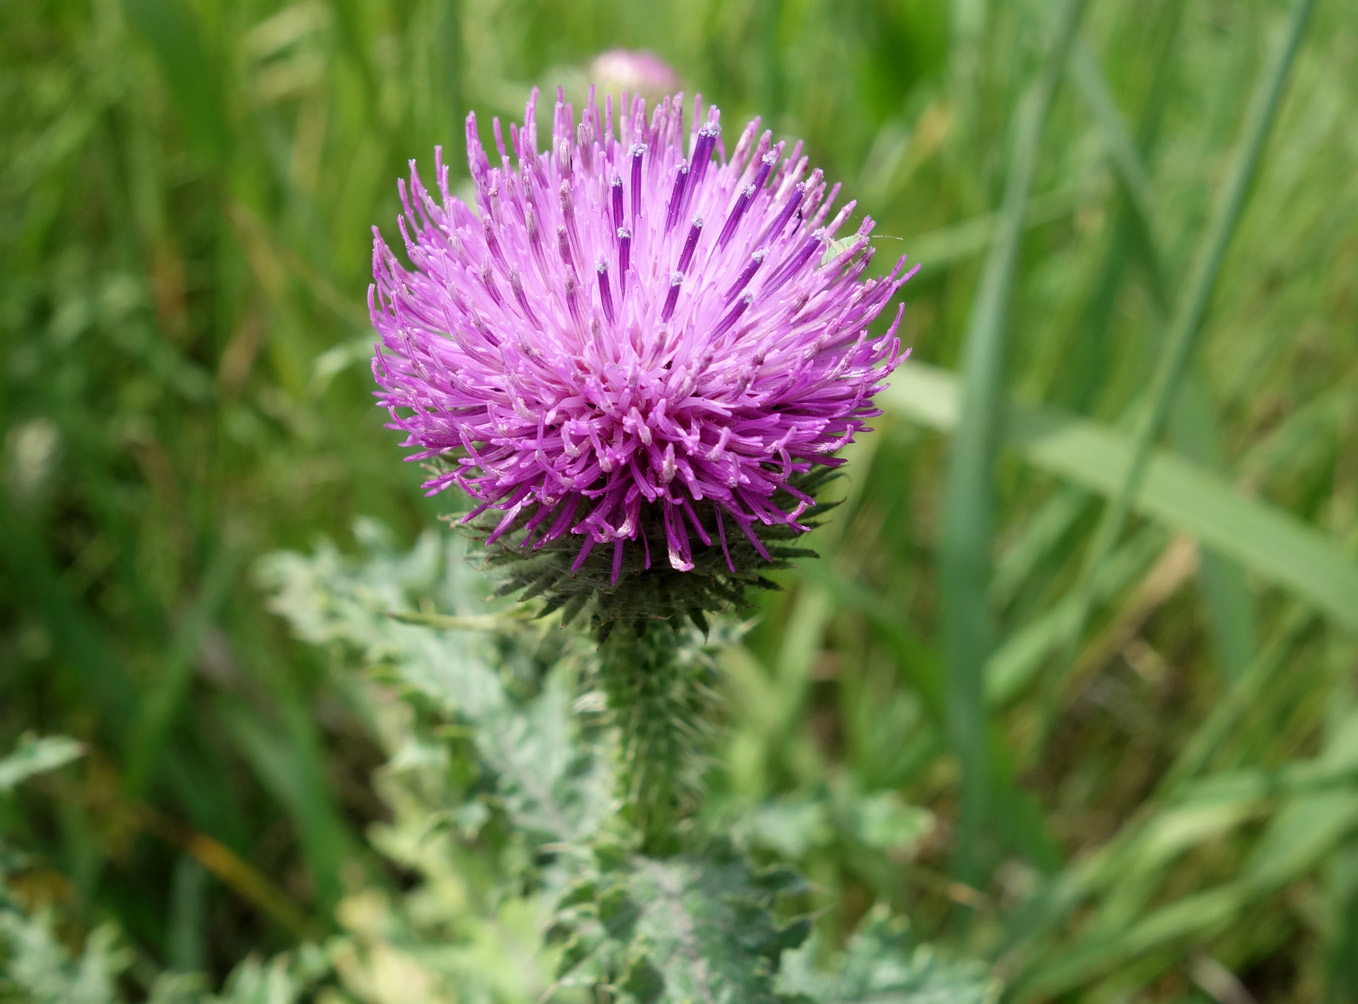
x=34, y=964
x=185, y=192
x=883, y=964
x=791, y=827
x=36, y=755
x=491, y=685
x=35, y=967
x=648, y=928
x=38, y=967
x=701, y=925
x=664, y=931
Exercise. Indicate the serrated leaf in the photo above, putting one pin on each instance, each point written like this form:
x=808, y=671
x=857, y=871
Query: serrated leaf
x=700, y=929
x=881, y=964
x=39, y=968
x=793, y=825
x=283, y=979
x=378, y=606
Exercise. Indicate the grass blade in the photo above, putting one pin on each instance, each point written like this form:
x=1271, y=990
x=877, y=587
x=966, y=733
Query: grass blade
x=1161, y=831
x=191, y=76
x=165, y=702
x=1126, y=159
x=1173, y=490
x=1315, y=819
x=1186, y=322
x=965, y=554
x=1192, y=425
x=1229, y=605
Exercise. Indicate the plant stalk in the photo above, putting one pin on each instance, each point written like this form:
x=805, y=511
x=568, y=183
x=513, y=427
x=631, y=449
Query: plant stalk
x=658, y=686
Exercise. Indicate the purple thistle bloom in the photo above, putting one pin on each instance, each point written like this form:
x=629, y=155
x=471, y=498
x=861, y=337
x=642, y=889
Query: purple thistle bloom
x=623, y=334
x=639, y=71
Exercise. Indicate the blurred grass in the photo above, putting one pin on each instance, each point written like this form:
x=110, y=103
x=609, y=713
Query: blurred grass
x=1157, y=723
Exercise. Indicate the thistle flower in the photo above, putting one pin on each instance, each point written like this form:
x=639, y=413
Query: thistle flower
x=632, y=339
x=636, y=71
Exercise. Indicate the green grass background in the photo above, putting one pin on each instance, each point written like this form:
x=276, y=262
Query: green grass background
x=1093, y=598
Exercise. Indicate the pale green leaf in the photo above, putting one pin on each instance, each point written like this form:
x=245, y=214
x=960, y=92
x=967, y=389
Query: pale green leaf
x=882, y=964
x=673, y=930
x=37, y=755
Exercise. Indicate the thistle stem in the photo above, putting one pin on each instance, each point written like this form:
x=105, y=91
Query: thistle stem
x=661, y=702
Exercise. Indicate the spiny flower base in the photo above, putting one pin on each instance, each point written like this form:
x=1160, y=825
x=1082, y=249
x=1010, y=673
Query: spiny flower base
x=719, y=581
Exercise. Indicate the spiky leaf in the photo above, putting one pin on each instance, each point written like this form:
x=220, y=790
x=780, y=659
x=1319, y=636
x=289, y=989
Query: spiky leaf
x=521, y=727
x=884, y=965
x=665, y=931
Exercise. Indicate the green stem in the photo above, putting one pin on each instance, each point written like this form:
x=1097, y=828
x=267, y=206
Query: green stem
x=661, y=702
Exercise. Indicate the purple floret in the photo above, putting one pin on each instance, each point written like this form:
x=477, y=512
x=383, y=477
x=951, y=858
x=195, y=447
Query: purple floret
x=620, y=334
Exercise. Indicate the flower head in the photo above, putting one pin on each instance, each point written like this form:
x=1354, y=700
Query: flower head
x=632, y=339
x=637, y=71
